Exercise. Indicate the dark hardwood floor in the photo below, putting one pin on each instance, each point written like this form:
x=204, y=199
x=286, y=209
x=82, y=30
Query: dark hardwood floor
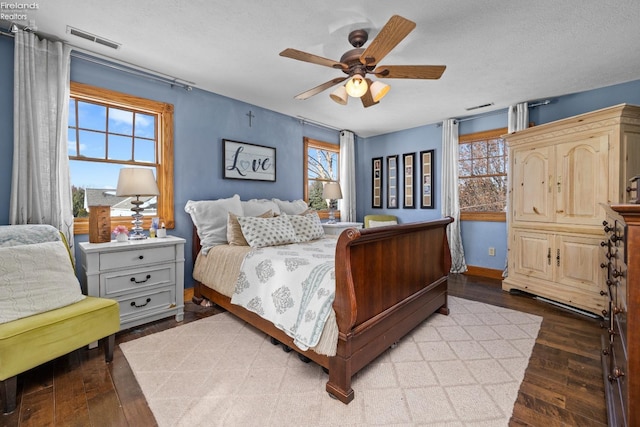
x=562, y=385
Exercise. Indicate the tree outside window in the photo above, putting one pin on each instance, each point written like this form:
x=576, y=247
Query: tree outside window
x=482, y=176
x=321, y=166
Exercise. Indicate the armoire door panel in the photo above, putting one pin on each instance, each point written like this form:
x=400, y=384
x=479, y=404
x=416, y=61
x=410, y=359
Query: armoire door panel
x=581, y=180
x=578, y=259
x=531, y=175
x=533, y=255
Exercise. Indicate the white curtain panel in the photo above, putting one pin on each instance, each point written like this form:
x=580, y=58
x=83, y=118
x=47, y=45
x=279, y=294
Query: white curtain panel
x=347, y=205
x=518, y=118
x=40, y=186
x=450, y=199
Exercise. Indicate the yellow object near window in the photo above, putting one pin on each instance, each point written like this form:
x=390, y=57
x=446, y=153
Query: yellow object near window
x=108, y=131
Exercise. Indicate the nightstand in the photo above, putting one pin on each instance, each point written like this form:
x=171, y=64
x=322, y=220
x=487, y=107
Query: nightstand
x=146, y=277
x=339, y=227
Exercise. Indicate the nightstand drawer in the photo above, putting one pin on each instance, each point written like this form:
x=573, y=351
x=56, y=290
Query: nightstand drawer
x=133, y=280
x=144, y=304
x=136, y=257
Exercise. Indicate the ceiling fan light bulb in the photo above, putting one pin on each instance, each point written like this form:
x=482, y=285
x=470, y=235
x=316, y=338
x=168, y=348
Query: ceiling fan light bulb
x=357, y=86
x=340, y=95
x=379, y=90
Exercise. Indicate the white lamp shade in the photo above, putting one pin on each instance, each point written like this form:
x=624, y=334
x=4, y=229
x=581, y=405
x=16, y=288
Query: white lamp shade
x=356, y=86
x=379, y=90
x=340, y=95
x=136, y=182
x=331, y=191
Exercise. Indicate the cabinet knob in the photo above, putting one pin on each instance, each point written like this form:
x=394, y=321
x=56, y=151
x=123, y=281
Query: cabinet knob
x=615, y=238
x=140, y=256
x=603, y=244
x=617, y=310
x=603, y=293
x=603, y=265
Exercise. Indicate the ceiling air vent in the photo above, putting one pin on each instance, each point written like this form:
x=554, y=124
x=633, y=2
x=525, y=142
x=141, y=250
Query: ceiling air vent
x=92, y=37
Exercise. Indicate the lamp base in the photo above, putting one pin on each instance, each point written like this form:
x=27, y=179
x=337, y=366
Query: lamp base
x=137, y=230
x=332, y=216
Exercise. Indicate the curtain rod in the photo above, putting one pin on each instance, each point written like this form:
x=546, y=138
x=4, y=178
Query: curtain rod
x=107, y=61
x=493, y=113
x=126, y=67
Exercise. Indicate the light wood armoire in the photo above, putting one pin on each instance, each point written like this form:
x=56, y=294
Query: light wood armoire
x=560, y=176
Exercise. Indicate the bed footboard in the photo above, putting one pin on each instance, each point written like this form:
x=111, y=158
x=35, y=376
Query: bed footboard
x=388, y=281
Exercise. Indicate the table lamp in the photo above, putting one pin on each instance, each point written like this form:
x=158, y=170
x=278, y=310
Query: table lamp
x=137, y=182
x=332, y=192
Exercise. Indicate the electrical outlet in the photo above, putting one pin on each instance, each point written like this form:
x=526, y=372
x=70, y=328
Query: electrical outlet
x=492, y=251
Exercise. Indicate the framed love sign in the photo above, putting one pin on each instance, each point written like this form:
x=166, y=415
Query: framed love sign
x=248, y=161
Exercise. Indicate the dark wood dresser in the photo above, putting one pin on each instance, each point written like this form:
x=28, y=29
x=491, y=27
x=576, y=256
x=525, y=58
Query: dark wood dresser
x=621, y=336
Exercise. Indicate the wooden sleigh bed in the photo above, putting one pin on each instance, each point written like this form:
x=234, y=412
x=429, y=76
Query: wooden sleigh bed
x=388, y=281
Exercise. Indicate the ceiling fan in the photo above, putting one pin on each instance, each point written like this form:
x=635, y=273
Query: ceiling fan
x=358, y=62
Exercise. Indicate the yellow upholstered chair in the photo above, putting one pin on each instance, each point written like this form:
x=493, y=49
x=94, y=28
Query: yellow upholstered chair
x=371, y=221
x=43, y=314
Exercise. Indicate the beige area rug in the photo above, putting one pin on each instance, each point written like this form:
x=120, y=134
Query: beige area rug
x=463, y=369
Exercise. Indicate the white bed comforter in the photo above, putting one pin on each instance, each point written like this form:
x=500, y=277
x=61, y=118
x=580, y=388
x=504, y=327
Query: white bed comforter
x=292, y=286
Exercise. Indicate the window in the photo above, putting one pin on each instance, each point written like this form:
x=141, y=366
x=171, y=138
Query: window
x=482, y=175
x=110, y=130
x=321, y=164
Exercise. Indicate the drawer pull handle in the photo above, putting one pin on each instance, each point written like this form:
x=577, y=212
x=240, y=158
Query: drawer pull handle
x=140, y=256
x=133, y=303
x=133, y=279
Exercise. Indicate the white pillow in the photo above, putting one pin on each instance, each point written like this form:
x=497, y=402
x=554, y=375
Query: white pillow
x=36, y=278
x=210, y=218
x=308, y=226
x=294, y=207
x=261, y=232
x=381, y=223
x=256, y=207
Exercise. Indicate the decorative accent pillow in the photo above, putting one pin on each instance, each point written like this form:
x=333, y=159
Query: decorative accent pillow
x=294, y=207
x=255, y=207
x=261, y=232
x=36, y=278
x=210, y=219
x=234, y=232
x=373, y=223
x=308, y=226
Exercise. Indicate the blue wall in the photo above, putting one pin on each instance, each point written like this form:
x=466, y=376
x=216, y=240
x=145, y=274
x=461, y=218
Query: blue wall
x=203, y=119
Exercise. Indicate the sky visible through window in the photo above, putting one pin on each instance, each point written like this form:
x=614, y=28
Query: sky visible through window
x=121, y=138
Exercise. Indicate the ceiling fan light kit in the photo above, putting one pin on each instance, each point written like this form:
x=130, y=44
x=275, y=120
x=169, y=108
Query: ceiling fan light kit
x=340, y=95
x=358, y=62
x=357, y=86
x=379, y=90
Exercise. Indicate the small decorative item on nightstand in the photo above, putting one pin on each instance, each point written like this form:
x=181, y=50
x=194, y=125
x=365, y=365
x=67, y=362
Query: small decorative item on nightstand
x=121, y=233
x=99, y=224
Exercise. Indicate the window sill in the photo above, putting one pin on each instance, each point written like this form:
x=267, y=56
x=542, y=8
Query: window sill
x=484, y=216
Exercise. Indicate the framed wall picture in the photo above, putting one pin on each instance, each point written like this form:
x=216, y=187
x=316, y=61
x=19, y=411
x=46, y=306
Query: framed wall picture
x=426, y=179
x=408, y=163
x=248, y=161
x=392, y=182
x=376, y=182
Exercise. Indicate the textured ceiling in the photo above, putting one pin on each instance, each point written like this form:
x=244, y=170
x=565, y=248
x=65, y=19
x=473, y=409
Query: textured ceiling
x=496, y=52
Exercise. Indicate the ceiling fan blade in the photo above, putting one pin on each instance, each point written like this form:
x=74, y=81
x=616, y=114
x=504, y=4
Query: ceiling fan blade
x=367, y=98
x=316, y=90
x=314, y=59
x=410, y=71
x=393, y=32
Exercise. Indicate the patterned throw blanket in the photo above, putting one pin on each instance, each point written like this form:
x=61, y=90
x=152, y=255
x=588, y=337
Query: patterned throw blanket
x=292, y=286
